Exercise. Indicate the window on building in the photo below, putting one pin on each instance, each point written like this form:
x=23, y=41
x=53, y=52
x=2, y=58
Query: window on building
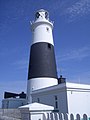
x=56, y=101
x=49, y=45
x=55, y=97
x=37, y=15
x=47, y=29
x=22, y=104
x=46, y=15
x=56, y=104
x=38, y=100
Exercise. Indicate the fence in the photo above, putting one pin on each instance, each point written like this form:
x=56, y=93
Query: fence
x=62, y=116
x=16, y=114
x=10, y=114
x=53, y=116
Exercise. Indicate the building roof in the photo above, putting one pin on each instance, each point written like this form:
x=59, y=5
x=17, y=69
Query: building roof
x=38, y=107
x=64, y=86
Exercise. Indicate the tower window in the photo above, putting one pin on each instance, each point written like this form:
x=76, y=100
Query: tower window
x=37, y=15
x=49, y=45
x=47, y=28
x=46, y=15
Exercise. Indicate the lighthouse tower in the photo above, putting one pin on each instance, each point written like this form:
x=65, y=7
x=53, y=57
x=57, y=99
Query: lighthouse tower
x=42, y=66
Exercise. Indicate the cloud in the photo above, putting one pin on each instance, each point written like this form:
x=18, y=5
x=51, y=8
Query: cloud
x=78, y=9
x=69, y=9
x=78, y=54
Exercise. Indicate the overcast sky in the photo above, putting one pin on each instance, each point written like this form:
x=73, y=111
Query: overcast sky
x=71, y=37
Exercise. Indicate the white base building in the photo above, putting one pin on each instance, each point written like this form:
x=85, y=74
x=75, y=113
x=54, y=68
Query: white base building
x=66, y=97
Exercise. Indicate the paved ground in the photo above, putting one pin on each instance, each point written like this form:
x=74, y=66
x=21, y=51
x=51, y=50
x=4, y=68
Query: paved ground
x=8, y=118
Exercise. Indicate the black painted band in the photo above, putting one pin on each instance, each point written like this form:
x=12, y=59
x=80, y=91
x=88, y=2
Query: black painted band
x=42, y=61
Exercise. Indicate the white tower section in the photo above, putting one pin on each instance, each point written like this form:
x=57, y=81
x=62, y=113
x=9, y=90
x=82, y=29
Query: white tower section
x=42, y=28
x=42, y=66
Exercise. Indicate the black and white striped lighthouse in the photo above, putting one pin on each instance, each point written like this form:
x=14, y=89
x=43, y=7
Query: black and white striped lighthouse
x=42, y=65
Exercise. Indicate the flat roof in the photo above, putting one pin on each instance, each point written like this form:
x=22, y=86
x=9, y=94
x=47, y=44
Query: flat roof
x=37, y=106
x=64, y=86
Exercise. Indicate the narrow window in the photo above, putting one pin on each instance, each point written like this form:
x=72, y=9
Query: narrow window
x=56, y=101
x=22, y=104
x=38, y=100
x=37, y=15
x=47, y=29
x=55, y=97
x=56, y=104
x=46, y=15
x=49, y=45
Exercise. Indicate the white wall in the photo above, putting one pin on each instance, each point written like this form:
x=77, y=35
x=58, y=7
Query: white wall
x=72, y=98
x=48, y=97
x=78, y=102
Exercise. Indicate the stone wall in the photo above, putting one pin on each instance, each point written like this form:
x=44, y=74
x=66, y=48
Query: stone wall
x=10, y=114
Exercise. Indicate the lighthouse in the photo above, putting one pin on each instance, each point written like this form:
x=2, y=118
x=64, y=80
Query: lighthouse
x=42, y=71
